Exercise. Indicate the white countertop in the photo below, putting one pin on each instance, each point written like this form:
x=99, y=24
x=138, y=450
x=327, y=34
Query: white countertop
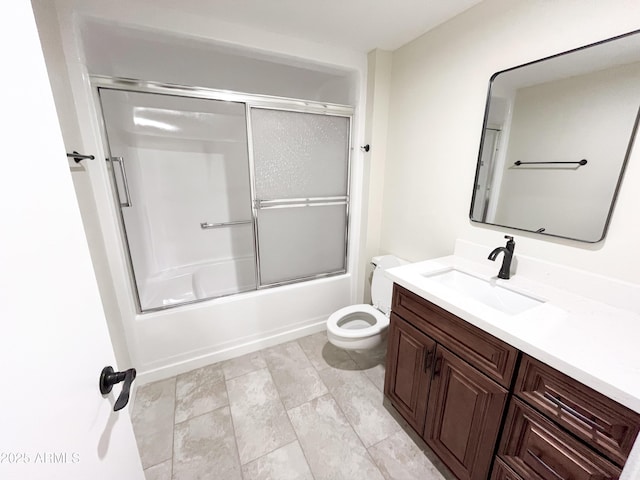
x=591, y=341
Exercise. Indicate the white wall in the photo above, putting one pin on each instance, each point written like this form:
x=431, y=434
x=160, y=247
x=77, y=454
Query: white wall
x=378, y=83
x=588, y=116
x=159, y=345
x=438, y=93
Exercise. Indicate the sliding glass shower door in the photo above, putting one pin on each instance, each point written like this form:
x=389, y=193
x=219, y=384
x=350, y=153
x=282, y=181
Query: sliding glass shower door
x=181, y=170
x=301, y=176
x=225, y=196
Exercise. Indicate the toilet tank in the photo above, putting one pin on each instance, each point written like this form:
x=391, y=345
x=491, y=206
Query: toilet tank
x=381, y=286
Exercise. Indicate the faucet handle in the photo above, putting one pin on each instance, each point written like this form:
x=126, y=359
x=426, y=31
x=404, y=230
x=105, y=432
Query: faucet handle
x=511, y=244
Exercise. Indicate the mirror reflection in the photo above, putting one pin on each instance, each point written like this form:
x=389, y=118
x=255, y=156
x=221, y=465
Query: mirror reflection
x=556, y=136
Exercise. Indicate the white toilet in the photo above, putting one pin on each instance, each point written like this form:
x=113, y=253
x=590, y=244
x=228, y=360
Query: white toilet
x=363, y=326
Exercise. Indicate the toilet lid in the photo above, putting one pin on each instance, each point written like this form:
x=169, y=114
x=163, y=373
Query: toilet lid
x=381, y=286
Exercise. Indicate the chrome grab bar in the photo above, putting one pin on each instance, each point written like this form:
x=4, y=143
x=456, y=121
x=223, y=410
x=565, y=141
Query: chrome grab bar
x=207, y=225
x=125, y=183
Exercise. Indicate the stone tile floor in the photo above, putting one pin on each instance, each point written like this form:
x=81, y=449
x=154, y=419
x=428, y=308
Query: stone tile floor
x=300, y=410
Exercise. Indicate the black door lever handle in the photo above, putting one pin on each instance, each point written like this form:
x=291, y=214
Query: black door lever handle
x=108, y=378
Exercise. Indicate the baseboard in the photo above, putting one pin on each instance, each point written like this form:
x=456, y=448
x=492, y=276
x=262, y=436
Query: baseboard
x=228, y=352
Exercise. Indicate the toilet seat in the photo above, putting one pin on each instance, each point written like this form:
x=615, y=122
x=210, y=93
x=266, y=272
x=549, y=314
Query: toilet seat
x=363, y=326
x=362, y=312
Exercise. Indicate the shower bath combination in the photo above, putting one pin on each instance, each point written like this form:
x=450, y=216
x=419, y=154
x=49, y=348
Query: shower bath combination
x=221, y=193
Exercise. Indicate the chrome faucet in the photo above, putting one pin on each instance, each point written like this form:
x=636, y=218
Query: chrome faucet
x=505, y=269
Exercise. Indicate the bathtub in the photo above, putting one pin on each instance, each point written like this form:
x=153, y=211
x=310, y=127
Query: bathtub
x=190, y=283
x=171, y=341
x=224, y=278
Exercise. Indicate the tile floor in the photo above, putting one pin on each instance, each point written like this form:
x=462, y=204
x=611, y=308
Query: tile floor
x=300, y=410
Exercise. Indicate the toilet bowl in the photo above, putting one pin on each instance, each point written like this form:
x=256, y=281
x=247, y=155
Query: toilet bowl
x=363, y=326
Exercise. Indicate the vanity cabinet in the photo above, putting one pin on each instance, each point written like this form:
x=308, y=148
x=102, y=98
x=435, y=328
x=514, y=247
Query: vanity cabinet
x=450, y=382
x=491, y=356
x=409, y=355
x=470, y=395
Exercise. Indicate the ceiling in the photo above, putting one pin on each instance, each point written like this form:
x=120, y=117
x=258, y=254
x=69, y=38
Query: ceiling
x=360, y=25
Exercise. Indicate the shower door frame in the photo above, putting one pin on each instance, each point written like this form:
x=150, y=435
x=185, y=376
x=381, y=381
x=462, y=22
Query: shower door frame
x=250, y=101
x=257, y=204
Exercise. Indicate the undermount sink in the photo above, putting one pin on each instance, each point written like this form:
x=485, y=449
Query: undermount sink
x=485, y=291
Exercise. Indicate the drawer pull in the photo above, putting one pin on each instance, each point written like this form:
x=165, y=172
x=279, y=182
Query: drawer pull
x=544, y=464
x=560, y=404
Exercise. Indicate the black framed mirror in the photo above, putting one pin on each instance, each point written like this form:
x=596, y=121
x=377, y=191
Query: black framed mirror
x=556, y=138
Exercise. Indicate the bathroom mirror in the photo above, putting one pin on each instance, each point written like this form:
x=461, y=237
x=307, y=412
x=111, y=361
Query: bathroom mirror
x=556, y=136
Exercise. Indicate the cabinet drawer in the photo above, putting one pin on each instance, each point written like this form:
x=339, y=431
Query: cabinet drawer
x=535, y=448
x=488, y=354
x=502, y=472
x=604, y=424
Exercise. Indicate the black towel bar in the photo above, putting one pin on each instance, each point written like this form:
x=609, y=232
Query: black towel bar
x=78, y=157
x=581, y=162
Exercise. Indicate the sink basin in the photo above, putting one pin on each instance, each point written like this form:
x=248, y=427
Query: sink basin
x=485, y=291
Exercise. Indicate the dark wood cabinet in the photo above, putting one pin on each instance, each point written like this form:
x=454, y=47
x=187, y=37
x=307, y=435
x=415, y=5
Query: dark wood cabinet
x=490, y=355
x=443, y=376
x=408, y=374
x=536, y=448
x=463, y=416
x=453, y=382
x=604, y=424
x=502, y=472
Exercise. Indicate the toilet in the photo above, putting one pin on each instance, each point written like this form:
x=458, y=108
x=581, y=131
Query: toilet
x=363, y=326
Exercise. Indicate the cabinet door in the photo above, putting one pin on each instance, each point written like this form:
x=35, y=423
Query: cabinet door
x=463, y=416
x=409, y=357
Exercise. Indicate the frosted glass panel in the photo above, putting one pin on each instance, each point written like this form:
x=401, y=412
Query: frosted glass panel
x=299, y=155
x=301, y=242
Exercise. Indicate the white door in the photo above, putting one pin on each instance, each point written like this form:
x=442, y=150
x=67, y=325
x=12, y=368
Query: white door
x=54, y=423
